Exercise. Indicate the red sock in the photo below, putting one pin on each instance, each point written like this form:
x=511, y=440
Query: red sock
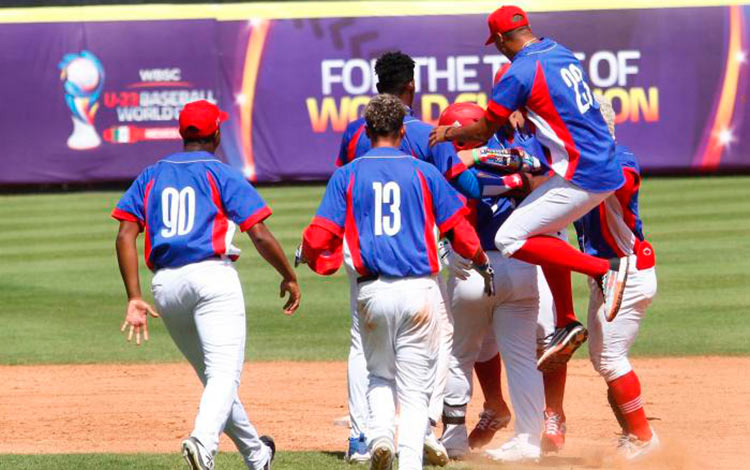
x=562, y=291
x=554, y=389
x=489, y=376
x=626, y=391
x=552, y=251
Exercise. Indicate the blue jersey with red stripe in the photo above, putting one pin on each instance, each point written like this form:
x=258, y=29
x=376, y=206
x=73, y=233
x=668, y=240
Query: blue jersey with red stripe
x=188, y=205
x=548, y=83
x=490, y=212
x=387, y=206
x=613, y=229
x=355, y=143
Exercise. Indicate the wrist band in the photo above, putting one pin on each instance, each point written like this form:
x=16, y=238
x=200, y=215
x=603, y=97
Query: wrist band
x=475, y=155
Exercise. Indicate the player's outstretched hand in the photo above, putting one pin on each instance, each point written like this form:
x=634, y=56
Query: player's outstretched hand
x=438, y=135
x=292, y=304
x=136, y=315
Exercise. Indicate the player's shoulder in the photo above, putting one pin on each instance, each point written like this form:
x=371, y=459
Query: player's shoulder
x=354, y=126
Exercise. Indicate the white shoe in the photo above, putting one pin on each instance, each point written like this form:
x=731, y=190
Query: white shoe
x=455, y=440
x=613, y=287
x=196, y=456
x=632, y=448
x=434, y=451
x=517, y=449
x=381, y=455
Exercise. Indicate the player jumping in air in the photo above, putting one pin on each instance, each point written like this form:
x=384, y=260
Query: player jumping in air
x=548, y=84
x=386, y=206
x=188, y=206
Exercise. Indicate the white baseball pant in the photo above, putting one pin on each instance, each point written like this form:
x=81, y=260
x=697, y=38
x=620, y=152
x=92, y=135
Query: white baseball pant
x=204, y=311
x=522, y=297
x=549, y=209
x=610, y=342
x=400, y=336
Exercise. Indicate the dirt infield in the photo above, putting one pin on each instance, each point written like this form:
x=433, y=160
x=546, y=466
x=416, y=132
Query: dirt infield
x=699, y=407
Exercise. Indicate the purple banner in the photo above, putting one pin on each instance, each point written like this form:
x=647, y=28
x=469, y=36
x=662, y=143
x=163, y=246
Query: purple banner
x=98, y=101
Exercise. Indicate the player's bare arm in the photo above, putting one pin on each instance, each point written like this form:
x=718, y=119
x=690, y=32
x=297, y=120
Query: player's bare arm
x=137, y=311
x=480, y=131
x=270, y=249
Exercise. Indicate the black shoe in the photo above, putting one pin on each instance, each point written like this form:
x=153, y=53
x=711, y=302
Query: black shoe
x=268, y=440
x=565, y=341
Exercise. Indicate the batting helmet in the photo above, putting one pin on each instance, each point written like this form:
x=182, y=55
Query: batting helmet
x=462, y=114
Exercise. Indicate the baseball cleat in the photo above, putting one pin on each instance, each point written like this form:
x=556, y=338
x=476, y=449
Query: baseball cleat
x=434, y=451
x=561, y=347
x=517, y=450
x=358, y=451
x=553, y=437
x=632, y=448
x=490, y=422
x=268, y=441
x=196, y=456
x=613, y=285
x=382, y=453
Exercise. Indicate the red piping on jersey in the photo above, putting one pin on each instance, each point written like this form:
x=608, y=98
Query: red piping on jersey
x=351, y=233
x=497, y=113
x=626, y=194
x=606, y=233
x=146, y=234
x=329, y=225
x=122, y=215
x=220, y=225
x=541, y=103
x=429, y=224
x=260, y=215
x=455, y=170
x=351, y=148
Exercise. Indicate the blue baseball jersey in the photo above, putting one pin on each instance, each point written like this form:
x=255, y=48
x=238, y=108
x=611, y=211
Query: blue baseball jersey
x=355, y=143
x=612, y=229
x=548, y=83
x=387, y=206
x=189, y=205
x=490, y=212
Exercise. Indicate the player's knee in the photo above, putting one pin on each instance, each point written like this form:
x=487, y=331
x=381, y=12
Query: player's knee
x=506, y=242
x=611, y=369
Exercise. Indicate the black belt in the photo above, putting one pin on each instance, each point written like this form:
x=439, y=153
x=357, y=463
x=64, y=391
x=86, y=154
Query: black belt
x=368, y=278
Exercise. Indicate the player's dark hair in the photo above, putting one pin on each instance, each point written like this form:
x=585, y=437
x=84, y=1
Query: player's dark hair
x=384, y=115
x=198, y=140
x=395, y=70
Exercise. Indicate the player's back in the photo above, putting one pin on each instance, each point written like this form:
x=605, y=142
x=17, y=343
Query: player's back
x=395, y=203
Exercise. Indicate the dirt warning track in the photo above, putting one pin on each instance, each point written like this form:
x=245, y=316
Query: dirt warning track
x=699, y=407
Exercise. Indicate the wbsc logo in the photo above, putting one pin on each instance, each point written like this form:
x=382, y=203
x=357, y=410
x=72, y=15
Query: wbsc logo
x=83, y=77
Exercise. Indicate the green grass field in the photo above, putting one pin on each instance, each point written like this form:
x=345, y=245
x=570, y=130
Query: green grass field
x=63, y=302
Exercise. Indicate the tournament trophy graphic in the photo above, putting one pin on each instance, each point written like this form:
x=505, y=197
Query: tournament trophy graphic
x=84, y=79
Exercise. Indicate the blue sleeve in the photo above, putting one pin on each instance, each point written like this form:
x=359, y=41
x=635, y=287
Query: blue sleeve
x=241, y=201
x=446, y=160
x=351, y=136
x=512, y=91
x=468, y=184
x=333, y=206
x=131, y=204
x=446, y=203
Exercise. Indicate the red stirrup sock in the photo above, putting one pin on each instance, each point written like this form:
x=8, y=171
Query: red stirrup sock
x=554, y=389
x=489, y=376
x=562, y=292
x=551, y=251
x=626, y=391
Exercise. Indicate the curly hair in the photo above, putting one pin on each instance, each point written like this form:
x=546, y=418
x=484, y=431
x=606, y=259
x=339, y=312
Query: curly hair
x=384, y=115
x=395, y=70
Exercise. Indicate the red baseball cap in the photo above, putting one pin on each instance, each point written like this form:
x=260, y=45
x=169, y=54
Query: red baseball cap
x=200, y=119
x=505, y=19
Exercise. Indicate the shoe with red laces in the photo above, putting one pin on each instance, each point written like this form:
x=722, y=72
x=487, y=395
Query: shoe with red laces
x=553, y=438
x=490, y=422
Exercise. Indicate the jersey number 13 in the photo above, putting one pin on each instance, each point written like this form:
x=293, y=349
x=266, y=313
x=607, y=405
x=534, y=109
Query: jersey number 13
x=387, y=194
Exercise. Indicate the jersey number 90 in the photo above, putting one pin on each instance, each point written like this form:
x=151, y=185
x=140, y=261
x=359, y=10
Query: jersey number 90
x=387, y=194
x=573, y=77
x=177, y=211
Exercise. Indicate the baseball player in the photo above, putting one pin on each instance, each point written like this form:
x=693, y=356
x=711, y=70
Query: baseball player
x=521, y=297
x=395, y=71
x=386, y=206
x=548, y=84
x=612, y=229
x=189, y=205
